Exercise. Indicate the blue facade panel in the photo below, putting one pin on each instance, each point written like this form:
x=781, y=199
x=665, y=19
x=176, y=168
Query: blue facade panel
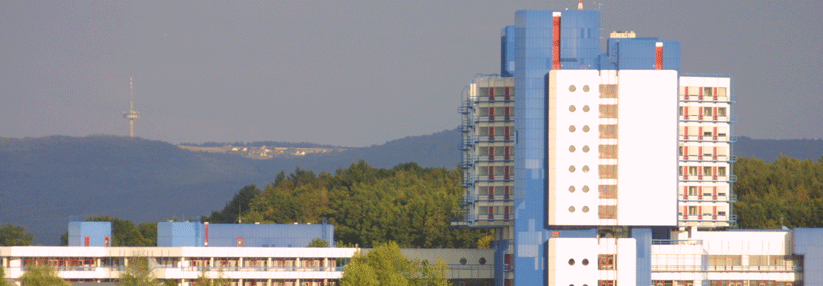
x=269, y=235
x=643, y=238
x=96, y=231
x=500, y=248
x=533, y=61
x=809, y=243
x=507, y=42
x=179, y=234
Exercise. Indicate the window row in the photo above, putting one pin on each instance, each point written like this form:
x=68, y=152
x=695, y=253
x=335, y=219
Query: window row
x=714, y=171
x=495, y=91
x=709, y=192
x=703, y=91
x=495, y=113
x=702, y=111
x=702, y=212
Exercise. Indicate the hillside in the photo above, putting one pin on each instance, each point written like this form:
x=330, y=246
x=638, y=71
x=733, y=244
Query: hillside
x=45, y=180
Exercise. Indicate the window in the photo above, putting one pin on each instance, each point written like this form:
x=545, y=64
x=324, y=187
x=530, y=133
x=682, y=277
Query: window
x=692, y=210
x=707, y=111
x=693, y=171
x=721, y=171
x=721, y=213
x=692, y=191
x=607, y=212
x=721, y=111
x=608, y=131
x=707, y=134
x=608, y=191
x=707, y=171
x=608, y=151
x=608, y=111
x=608, y=171
x=707, y=91
x=605, y=282
x=608, y=91
x=605, y=262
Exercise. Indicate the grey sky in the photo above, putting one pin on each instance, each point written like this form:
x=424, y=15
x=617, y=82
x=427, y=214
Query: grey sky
x=354, y=73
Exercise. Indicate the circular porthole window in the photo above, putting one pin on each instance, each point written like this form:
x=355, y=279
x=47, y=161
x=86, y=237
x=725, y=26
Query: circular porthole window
x=571, y=169
x=463, y=261
x=586, y=149
x=571, y=189
x=585, y=210
x=572, y=88
x=585, y=262
x=585, y=189
x=482, y=261
x=585, y=128
x=585, y=169
x=571, y=261
x=585, y=108
x=572, y=108
x=571, y=209
x=586, y=88
x=572, y=129
x=571, y=149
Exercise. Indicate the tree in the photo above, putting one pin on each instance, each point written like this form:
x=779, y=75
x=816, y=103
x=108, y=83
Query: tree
x=42, y=276
x=3, y=281
x=318, y=242
x=204, y=280
x=138, y=273
x=233, y=209
x=386, y=265
x=125, y=233
x=13, y=235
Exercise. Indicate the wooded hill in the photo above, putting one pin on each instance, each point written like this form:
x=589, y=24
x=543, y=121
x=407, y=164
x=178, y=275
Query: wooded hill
x=45, y=180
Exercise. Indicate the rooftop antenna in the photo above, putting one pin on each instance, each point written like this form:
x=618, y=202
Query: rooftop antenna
x=131, y=115
x=579, y=4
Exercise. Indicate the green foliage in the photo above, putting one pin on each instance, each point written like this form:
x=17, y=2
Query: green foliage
x=204, y=280
x=126, y=233
x=485, y=242
x=385, y=265
x=787, y=192
x=13, y=235
x=232, y=211
x=318, y=242
x=3, y=281
x=138, y=273
x=169, y=283
x=42, y=276
x=407, y=204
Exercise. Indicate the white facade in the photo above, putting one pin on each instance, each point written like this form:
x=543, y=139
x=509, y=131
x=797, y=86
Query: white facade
x=614, y=132
x=705, y=193
x=588, y=261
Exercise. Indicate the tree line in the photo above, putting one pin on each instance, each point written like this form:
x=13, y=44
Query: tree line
x=408, y=204
x=413, y=206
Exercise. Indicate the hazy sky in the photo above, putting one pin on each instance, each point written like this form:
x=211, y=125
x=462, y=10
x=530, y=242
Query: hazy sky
x=354, y=73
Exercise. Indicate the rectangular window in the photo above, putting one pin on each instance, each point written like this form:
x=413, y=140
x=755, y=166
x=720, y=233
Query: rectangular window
x=605, y=262
x=692, y=191
x=721, y=213
x=693, y=171
x=608, y=191
x=608, y=131
x=608, y=91
x=707, y=134
x=605, y=282
x=608, y=111
x=607, y=212
x=721, y=91
x=692, y=210
x=707, y=111
x=707, y=171
x=707, y=91
x=608, y=171
x=721, y=111
x=721, y=171
x=608, y=151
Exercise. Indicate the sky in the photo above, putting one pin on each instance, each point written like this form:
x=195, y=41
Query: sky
x=355, y=73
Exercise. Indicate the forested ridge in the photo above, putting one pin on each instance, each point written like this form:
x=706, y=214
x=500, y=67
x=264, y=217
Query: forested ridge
x=788, y=190
x=407, y=204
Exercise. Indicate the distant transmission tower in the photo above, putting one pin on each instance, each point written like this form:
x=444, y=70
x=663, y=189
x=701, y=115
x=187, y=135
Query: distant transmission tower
x=131, y=115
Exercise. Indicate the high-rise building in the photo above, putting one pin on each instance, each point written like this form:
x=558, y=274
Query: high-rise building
x=616, y=168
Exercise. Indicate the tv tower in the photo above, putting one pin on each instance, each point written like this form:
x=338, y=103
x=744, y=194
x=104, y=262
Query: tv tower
x=131, y=115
